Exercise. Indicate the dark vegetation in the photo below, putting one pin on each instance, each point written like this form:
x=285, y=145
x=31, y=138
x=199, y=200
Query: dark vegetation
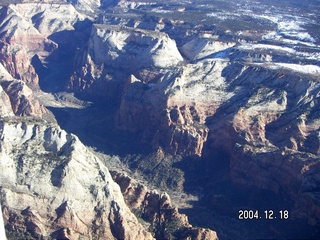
x=14, y=235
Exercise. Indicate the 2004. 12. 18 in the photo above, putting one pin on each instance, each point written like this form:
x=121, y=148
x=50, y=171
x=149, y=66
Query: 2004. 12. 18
x=267, y=214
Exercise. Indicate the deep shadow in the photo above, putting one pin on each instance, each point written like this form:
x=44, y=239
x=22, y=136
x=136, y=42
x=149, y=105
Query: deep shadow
x=220, y=198
x=55, y=71
x=95, y=127
x=57, y=175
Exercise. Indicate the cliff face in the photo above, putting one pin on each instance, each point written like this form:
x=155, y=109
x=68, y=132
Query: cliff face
x=272, y=129
x=157, y=209
x=114, y=48
x=26, y=31
x=254, y=95
x=18, y=99
x=76, y=196
x=261, y=114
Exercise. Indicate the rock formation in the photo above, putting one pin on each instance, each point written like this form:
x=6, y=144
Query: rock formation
x=157, y=209
x=18, y=99
x=52, y=186
x=234, y=97
x=181, y=86
x=261, y=115
x=26, y=31
x=114, y=48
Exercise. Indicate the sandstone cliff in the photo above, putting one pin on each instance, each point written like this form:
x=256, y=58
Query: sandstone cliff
x=26, y=31
x=52, y=186
x=263, y=116
x=114, y=48
x=253, y=96
x=18, y=99
x=157, y=209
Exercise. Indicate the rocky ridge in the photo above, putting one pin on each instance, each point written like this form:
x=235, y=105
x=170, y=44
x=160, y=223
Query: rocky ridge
x=111, y=46
x=18, y=99
x=78, y=198
x=157, y=209
x=27, y=29
x=242, y=118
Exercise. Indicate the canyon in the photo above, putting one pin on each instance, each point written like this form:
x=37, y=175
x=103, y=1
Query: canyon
x=142, y=120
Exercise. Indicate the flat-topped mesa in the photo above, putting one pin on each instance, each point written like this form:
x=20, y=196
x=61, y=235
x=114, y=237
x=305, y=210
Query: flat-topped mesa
x=263, y=116
x=171, y=114
x=87, y=7
x=113, y=48
x=49, y=18
x=115, y=45
x=270, y=130
x=204, y=47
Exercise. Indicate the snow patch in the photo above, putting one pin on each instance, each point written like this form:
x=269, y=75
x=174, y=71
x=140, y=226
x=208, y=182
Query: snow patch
x=255, y=47
x=304, y=69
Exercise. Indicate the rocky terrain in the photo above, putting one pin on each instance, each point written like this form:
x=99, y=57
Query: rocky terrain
x=52, y=186
x=206, y=101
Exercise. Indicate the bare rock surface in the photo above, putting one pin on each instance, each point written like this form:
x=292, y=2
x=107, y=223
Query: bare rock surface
x=129, y=49
x=158, y=211
x=26, y=31
x=181, y=86
x=69, y=195
x=260, y=114
x=18, y=99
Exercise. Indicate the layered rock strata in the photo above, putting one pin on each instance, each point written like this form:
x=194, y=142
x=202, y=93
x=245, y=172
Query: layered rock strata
x=157, y=209
x=26, y=31
x=18, y=99
x=114, y=48
x=262, y=115
x=52, y=186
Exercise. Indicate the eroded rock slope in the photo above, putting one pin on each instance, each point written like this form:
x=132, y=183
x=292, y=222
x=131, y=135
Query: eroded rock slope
x=52, y=186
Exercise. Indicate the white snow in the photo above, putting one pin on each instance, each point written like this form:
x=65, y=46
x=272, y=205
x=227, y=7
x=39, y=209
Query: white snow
x=161, y=10
x=255, y=47
x=304, y=69
x=289, y=26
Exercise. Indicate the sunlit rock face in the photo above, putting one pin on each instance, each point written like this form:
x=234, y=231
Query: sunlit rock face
x=26, y=31
x=18, y=99
x=53, y=186
x=264, y=117
x=114, y=52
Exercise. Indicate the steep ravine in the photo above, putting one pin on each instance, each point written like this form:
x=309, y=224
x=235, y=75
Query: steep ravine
x=228, y=124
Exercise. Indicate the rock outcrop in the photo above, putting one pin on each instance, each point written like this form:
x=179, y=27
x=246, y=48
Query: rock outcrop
x=53, y=186
x=262, y=115
x=172, y=113
x=26, y=31
x=251, y=94
x=18, y=99
x=199, y=48
x=158, y=211
x=114, y=48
